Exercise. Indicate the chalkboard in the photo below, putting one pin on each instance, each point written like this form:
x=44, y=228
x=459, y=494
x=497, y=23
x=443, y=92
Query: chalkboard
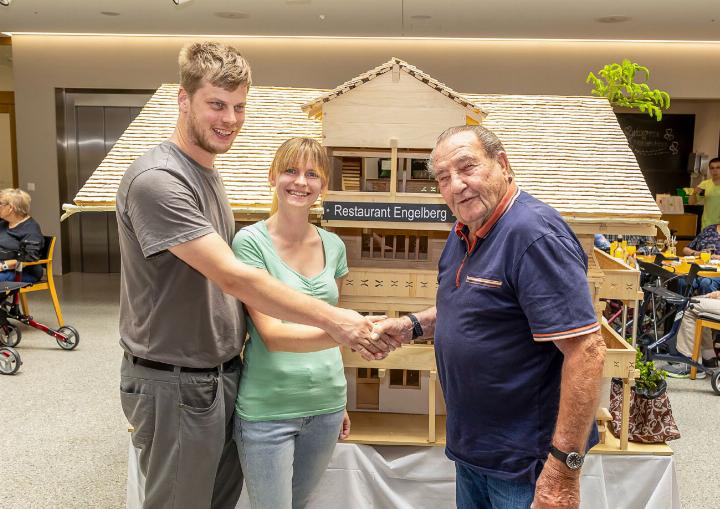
x=661, y=148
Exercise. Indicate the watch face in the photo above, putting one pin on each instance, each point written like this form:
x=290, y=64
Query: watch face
x=574, y=461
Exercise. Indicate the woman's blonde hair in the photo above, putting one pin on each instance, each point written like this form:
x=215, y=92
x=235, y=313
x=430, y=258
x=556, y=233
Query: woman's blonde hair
x=18, y=200
x=297, y=151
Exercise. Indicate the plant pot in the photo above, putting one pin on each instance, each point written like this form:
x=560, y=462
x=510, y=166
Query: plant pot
x=651, y=420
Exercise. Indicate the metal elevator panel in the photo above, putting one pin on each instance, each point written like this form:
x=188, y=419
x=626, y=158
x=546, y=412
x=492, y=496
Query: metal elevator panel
x=89, y=125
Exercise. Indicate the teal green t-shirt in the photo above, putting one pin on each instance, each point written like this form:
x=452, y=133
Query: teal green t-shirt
x=287, y=385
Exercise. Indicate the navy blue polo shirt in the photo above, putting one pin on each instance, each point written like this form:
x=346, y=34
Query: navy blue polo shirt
x=502, y=300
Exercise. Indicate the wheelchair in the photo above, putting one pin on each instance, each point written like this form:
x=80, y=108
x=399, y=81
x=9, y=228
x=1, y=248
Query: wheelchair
x=663, y=310
x=67, y=337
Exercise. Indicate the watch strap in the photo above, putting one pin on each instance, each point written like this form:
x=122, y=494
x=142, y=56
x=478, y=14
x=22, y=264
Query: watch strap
x=576, y=461
x=417, y=330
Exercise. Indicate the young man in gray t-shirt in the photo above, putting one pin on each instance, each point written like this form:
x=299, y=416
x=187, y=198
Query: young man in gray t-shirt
x=181, y=325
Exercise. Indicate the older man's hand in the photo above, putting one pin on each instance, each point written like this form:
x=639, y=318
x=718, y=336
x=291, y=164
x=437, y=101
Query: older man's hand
x=356, y=332
x=557, y=487
x=395, y=331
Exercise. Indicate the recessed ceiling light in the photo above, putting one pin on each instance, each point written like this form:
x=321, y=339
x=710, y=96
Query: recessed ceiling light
x=109, y=13
x=231, y=15
x=613, y=19
x=421, y=17
x=322, y=17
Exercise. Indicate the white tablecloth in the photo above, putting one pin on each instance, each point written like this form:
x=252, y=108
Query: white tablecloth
x=398, y=477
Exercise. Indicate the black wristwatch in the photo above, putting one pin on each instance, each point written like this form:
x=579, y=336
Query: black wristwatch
x=573, y=460
x=417, y=330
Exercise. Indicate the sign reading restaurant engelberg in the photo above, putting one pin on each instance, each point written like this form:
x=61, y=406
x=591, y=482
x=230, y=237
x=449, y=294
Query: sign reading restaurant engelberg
x=399, y=212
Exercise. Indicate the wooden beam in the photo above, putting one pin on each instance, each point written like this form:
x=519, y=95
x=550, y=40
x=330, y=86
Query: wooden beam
x=393, y=168
x=432, y=382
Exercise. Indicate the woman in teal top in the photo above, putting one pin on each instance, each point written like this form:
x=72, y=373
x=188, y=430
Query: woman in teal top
x=290, y=407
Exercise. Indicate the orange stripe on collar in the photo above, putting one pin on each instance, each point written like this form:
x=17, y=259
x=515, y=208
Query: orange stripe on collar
x=505, y=203
x=499, y=211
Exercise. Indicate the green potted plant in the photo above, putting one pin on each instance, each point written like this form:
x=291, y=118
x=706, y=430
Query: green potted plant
x=651, y=382
x=617, y=82
x=650, y=419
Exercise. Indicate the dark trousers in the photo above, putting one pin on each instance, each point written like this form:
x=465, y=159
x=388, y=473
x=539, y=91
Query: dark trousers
x=183, y=426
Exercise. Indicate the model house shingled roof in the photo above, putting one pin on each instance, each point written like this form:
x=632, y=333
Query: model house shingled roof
x=567, y=151
x=313, y=108
x=273, y=116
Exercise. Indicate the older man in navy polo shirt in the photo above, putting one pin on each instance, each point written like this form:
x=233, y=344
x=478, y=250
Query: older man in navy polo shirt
x=516, y=337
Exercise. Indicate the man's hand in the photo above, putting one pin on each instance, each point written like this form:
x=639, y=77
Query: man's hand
x=557, y=487
x=395, y=331
x=345, y=430
x=356, y=332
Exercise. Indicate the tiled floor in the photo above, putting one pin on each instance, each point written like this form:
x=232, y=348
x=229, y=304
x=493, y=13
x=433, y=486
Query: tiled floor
x=65, y=438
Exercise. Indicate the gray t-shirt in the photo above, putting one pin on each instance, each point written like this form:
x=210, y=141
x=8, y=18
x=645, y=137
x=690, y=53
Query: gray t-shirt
x=169, y=312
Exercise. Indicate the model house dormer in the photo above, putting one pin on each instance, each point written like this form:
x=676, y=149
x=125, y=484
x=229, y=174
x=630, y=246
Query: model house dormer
x=380, y=127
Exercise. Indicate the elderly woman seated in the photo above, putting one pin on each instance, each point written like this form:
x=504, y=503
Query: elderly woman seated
x=20, y=237
x=707, y=240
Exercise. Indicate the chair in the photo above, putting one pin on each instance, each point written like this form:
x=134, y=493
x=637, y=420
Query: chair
x=704, y=320
x=46, y=283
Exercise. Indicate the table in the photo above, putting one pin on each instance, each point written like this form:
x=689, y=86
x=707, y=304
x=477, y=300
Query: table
x=674, y=266
x=405, y=477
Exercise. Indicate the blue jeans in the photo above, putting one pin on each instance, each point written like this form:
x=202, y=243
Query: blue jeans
x=701, y=286
x=9, y=275
x=283, y=460
x=478, y=491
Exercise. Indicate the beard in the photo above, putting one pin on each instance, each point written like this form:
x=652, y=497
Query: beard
x=202, y=138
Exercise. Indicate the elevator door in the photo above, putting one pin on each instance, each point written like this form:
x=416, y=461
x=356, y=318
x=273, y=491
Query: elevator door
x=92, y=125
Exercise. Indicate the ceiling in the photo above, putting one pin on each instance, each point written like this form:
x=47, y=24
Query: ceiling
x=687, y=20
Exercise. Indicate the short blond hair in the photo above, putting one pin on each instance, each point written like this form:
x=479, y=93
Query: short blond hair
x=18, y=200
x=296, y=151
x=220, y=65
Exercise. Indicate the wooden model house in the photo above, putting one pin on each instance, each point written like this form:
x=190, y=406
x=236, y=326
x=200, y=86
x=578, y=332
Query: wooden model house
x=379, y=129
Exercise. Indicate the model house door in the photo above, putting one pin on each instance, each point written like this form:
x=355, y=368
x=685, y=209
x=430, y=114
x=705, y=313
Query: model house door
x=367, y=385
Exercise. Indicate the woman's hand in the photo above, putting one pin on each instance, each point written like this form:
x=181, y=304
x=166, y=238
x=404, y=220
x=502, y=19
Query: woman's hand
x=345, y=430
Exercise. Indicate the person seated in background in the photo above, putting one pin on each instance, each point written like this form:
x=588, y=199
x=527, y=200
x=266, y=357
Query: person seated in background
x=20, y=237
x=601, y=242
x=707, y=240
x=707, y=193
x=709, y=303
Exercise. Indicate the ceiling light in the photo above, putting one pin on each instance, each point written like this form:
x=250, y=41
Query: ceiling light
x=109, y=13
x=322, y=17
x=613, y=19
x=231, y=15
x=5, y=2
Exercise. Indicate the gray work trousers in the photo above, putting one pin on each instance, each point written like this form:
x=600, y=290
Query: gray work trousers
x=183, y=426
x=686, y=334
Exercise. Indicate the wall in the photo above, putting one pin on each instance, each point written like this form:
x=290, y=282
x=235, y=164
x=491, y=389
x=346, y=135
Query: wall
x=5, y=152
x=6, y=68
x=42, y=63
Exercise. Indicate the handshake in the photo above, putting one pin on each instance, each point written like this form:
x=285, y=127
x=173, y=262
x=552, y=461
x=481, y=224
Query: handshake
x=373, y=337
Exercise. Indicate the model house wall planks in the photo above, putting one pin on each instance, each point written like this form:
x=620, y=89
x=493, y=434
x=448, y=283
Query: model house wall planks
x=379, y=129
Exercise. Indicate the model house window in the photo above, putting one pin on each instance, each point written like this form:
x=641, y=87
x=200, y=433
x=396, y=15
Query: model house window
x=404, y=378
x=378, y=244
x=367, y=374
